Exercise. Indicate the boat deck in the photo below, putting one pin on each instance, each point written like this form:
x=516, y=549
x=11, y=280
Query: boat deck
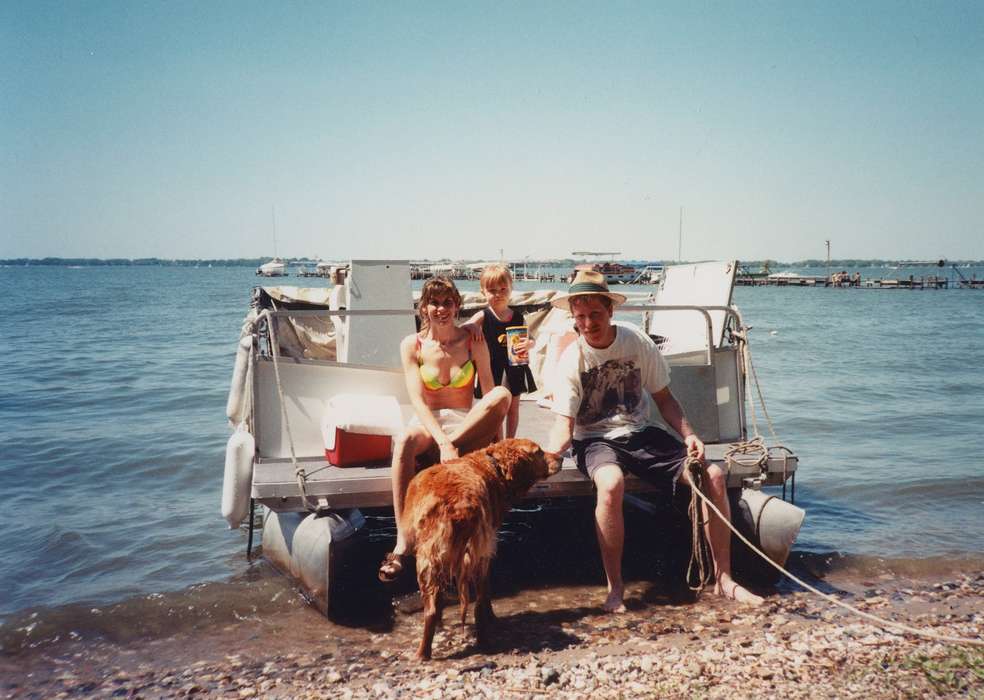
x=275, y=485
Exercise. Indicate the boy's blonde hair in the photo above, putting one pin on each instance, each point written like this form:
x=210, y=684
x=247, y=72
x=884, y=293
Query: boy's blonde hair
x=495, y=273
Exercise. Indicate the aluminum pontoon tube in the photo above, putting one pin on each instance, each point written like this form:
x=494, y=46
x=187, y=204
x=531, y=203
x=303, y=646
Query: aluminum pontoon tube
x=307, y=547
x=774, y=523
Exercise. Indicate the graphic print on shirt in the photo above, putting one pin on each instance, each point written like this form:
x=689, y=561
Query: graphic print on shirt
x=609, y=389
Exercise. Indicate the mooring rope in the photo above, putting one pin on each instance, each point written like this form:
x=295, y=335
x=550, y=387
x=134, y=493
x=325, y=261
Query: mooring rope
x=698, y=493
x=700, y=553
x=754, y=452
x=299, y=472
x=744, y=350
x=248, y=419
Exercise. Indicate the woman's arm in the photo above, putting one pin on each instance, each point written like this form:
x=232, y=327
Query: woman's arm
x=415, y=389
x=480, y=356
x=474, y=326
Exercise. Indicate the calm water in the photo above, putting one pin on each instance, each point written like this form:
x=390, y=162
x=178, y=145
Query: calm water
x=113, y=396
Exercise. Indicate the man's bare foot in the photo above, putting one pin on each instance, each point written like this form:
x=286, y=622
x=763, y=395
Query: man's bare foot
x=613, y=603
x=728, y=588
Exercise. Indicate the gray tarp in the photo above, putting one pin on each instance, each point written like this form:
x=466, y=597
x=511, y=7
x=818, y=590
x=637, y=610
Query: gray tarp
x=314, y=338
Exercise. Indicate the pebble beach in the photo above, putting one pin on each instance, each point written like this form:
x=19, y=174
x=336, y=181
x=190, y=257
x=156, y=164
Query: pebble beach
x=794, y=646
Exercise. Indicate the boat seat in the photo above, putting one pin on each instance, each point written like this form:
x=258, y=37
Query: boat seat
x=709, y=394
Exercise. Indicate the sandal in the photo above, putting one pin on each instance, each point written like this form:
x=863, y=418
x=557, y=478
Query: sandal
x=391, y=567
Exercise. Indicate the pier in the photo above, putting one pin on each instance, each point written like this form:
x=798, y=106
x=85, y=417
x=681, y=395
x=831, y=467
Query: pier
x=928, y=282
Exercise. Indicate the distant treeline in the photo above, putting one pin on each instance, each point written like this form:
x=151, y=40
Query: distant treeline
x=124, y=262
x=843, y=263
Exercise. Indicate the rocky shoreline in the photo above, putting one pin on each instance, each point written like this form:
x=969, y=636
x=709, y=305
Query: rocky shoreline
x=794, y=646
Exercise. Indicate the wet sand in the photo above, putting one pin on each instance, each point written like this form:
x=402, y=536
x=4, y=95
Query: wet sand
x=794, y=646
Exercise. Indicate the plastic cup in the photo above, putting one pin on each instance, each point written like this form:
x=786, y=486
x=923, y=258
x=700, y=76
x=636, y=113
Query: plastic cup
x=514, y=336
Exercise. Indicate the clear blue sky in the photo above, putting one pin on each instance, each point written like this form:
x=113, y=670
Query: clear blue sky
x=405, y=130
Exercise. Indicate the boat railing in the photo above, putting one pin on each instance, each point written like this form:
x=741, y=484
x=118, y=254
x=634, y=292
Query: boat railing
x=730, y=314
x=710, y=379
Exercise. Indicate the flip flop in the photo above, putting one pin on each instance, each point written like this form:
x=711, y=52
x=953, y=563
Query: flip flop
x=391, y=567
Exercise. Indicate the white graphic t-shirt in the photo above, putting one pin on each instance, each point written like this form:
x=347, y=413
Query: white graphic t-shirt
x=608, y=391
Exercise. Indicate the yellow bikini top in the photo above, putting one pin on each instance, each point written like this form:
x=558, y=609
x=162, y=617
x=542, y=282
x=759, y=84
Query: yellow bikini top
x=463, y=378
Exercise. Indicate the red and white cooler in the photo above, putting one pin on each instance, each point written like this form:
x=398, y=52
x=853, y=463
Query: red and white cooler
x=359, y=428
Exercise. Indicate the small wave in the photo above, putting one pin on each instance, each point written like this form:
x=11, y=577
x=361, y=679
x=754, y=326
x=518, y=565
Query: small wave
x=862, y=566
x=154, y=615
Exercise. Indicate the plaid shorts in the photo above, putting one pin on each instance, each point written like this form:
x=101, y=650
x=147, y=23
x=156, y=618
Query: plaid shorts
x=651, y=454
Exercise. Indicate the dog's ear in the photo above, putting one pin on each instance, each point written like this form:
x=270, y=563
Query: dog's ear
x=530, y=447
x=508, y=454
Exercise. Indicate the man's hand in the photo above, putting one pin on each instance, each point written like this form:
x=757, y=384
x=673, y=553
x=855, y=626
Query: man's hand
x=448, y=451
x=695, y=447
x=554, y=462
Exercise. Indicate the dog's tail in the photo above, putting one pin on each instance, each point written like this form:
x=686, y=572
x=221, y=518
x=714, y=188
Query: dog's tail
x=473, y=552
x=433, y=567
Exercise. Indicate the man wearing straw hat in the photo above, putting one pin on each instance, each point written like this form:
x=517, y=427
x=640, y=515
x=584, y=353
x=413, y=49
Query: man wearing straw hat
x=607, y=383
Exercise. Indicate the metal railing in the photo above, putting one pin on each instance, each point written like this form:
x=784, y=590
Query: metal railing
x=730, y=313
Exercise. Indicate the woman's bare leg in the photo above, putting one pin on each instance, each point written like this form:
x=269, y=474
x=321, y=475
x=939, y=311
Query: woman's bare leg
x=483, y=421
x=406, y=448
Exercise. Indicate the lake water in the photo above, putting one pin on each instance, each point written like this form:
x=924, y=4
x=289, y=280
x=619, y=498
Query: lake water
x=114, y=384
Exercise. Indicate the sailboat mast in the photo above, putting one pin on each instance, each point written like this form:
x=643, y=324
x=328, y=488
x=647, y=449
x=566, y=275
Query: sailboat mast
x=680, y=238
x=273, y=215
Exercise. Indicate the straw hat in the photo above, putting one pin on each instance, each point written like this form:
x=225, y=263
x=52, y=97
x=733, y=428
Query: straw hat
x=586, y=282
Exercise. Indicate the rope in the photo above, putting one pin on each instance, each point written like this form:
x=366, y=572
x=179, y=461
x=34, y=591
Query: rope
x=700, y=553
x=850, y=608
x=741, y=334
x=750, y=453
x=248, y=399
x=755, y=453
x=248, y=412
x=299, y=472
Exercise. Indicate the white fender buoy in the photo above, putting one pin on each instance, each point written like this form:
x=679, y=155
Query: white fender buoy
x=234, y=405
x=238, y=479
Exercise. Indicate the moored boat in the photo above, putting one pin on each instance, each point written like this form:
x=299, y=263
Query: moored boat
x=317, y=393
x=274, y=268
x=649, y=274
x=614, y=272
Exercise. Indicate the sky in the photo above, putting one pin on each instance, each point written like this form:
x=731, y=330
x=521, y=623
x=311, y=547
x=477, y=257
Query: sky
x=470, y=130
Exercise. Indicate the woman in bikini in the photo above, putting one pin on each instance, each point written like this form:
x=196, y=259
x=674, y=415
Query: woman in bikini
x=440, y=364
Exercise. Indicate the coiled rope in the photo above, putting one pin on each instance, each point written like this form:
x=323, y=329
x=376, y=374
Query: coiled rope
x=299, y=472
x=700, y=551
x=696, y=473
x=749, y=453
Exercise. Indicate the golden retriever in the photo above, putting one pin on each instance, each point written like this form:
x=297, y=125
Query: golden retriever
x=451, y=515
